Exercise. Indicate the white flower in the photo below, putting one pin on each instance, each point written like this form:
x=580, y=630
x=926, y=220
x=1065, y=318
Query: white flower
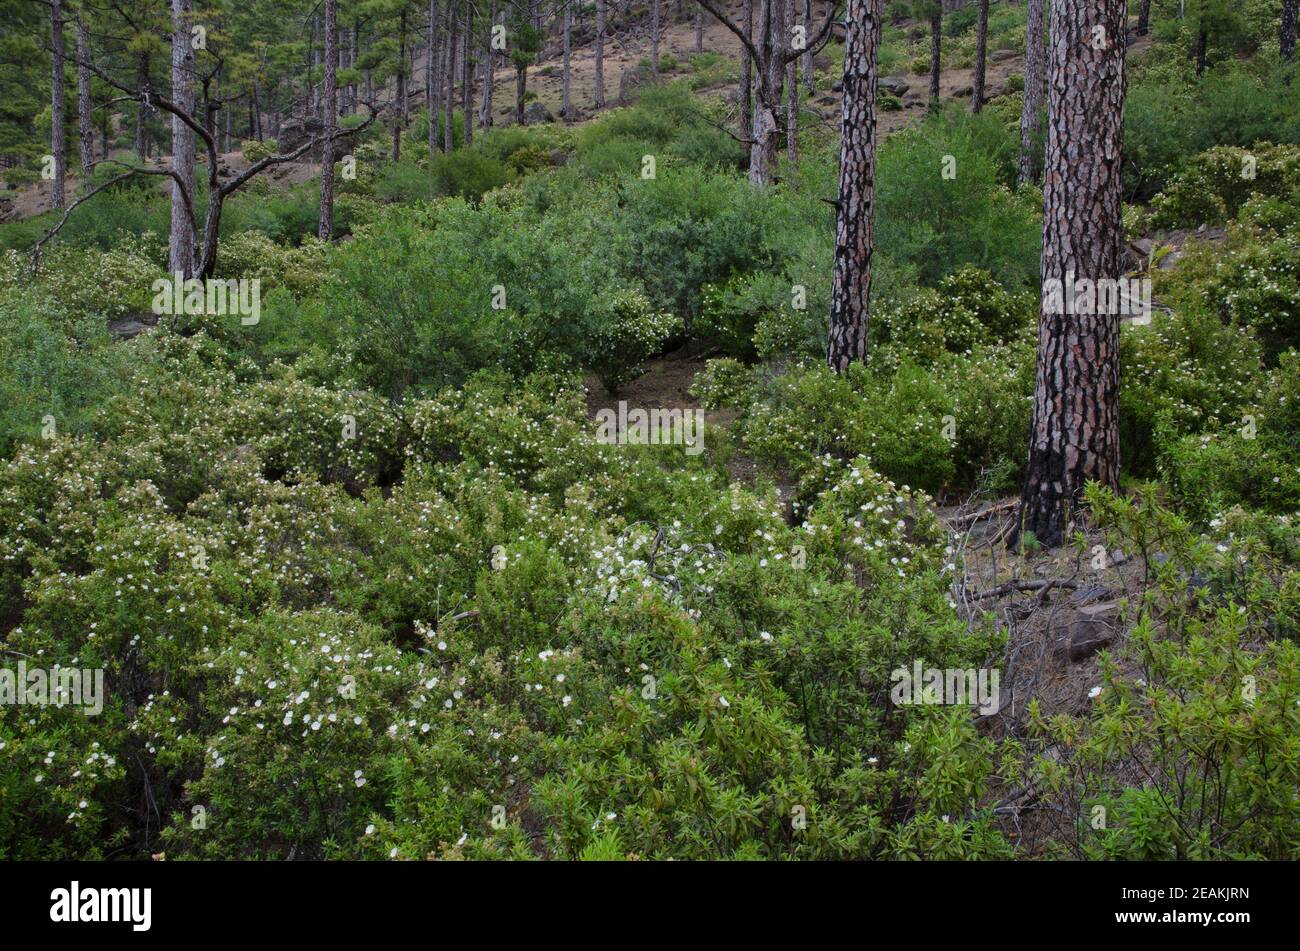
x=1094, y=693
x=723, y=700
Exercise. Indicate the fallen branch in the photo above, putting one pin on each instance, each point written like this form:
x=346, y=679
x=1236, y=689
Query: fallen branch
x=1013, y=586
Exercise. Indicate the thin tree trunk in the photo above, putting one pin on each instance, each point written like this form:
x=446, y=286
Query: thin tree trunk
x=855, y=209
x=58, y=145
x=808, y=78
x=654, y=37
x=85, y=109
x=699, y=29
x=600, y=55
x=936, y=40
x=489, y=70
x=1286, y=36
x=142, y=109
x=1202, y=41
x=467, y=77
x=745, y=101
x=1144, y=18
x=1074, y=436
x=566, y=107
x=430, y=68
x=521, y=89
x=449, y=84
x=981, y=56
x=399, y=118
x=181, y=245
x=792, y=87
x=329, y=95
x=1031, y=114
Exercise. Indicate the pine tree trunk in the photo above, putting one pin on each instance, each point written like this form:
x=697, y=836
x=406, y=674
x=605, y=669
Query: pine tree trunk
x=58, y=145
x=489, y=70
x=1074, y=436
x=142, y=110
x=1031, y=114
x=981, y=56
x=855, y=210
x=808, y=78
x=1144, y=18
x=329, y=97
x=566, y=107
x=85, y=109
x=430, y=70
x=1198, y=50
x=181, y=245
x=467, y=77
x=699, y=29
x=792, y=91
x=936, y=40
x=745, y=100
x=654, y=36
x=1286, y=36
x=521, y=90
x=600, y=55
x=449, y=84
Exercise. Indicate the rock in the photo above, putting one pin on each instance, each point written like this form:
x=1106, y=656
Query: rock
x=559, y=157
x=827, y=101
x=1095, y=627
x=633, y=81
x=535, y=112
x=964, y=91
x=837, y=86
x=132, y=325
x=895, y=86
x=821, y=62
x=1086, y=594
x=1000, y=56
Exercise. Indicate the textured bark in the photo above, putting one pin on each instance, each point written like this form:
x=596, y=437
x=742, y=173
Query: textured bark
x=792, y=85
x=981, y=56
x=330, y=105
x=745, y=100
x=600, y=55
x=1074, y=436
x=467, y=77
x=521, y=90
x=936, y=50
x=770, y=75
x=1144, y=18
x=1198, y=51
x=855, y=211
x=489, y=71
x=1031, y=114
x=566, y=104
x=1286, y=35
x=58, y=145
x=142, y=109
x=399, y=118
x=699, y=29
x=181, y=244
x=654, y=36
x=809, y=82
x=430, y=72
x=85, y=109
x=449, y=82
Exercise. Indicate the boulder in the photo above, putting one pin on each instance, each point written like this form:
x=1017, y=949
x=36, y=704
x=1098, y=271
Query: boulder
x=999, y=56
x=132, y=325
x=895, y=86
x=964, y=92
x=297, y=132
x=535, y=112
x=1095, y=626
